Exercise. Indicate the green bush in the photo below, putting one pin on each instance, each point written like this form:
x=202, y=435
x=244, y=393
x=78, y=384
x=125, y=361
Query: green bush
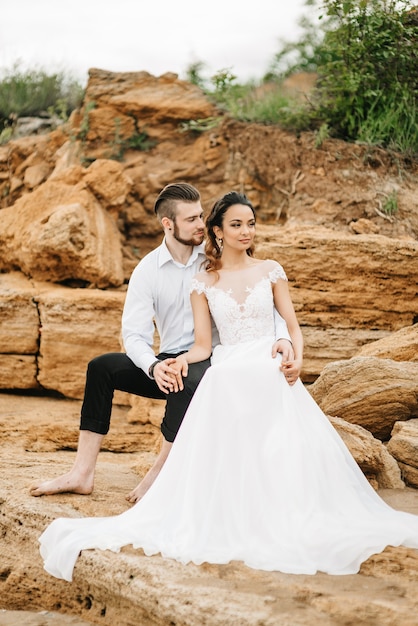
x=365, y=54
x=368, y=83
x=35, y=92
x=263, y=103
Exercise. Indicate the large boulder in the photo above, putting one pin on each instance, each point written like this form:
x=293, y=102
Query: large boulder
x=76, y=325
x=19, y=332
x=376, y=462
x=49, y=333
x=399, y=346
x=60, y=233
x=403, y=445
x=135, y=108
x=374, y=393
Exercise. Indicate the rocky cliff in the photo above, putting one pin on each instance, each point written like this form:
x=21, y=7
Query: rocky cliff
x=76, y=216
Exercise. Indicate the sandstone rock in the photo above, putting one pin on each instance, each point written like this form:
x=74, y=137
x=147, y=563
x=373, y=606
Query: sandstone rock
x=399, y=346
x=324, y=344
x=145, y=411
x=108, y=181
x=107, y=126
x=128, y=108
x=34, y=150
x=403, y=445
x=18, y=371
x=409, y=474
x=76, y=326
x=68, y=157
x=19, y=332
x=343, y=295
x=36, y=174
x=48, y=333
x=60, y=232
x=374, y=393
x=19, y=319
x=126, y=588
x=344, y=280
x=156, y=99
x=377, y=464
x=363, y=226
x=349, y=289
x=15, y=183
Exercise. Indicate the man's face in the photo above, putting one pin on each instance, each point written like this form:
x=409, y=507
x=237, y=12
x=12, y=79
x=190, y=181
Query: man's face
x=189, y=227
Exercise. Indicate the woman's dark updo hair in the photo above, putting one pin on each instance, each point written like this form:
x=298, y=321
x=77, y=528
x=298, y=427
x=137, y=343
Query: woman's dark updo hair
x=216, y=217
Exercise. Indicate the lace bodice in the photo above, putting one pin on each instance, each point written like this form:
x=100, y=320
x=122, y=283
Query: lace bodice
x=241, y=302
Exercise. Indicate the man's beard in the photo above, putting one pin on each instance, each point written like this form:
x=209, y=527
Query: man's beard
x=196, y=240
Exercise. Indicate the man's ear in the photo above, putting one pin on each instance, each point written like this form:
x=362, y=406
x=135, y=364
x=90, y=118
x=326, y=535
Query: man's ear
x=166, y=222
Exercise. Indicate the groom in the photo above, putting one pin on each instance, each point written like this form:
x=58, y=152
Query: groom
x=158, y=291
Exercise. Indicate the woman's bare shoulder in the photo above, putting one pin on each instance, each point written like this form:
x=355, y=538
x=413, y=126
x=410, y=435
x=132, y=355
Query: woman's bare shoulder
x=207, y=278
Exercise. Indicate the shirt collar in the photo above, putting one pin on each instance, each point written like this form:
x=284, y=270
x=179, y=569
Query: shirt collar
x=165, y=255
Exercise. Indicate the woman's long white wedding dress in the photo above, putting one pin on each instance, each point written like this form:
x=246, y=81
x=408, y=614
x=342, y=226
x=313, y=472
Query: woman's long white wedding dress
x=256, y=474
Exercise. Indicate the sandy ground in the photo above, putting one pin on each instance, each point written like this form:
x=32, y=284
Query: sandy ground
x=129, y=589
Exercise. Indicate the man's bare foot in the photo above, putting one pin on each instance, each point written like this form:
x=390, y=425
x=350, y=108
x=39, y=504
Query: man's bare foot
x=67, y=483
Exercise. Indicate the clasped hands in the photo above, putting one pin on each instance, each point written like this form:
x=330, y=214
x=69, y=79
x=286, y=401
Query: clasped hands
x=169, y=374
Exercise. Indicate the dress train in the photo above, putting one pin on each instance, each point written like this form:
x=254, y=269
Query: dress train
x=259, y=476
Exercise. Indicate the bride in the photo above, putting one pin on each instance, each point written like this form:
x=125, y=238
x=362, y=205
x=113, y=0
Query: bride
x=256, y=473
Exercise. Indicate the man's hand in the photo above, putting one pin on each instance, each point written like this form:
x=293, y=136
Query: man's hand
x=167, y=376
x=285, y=348
x=291, y=370
x=290, y=366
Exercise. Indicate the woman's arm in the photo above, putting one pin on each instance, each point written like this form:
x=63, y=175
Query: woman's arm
x=202, y=347
x=284, y=305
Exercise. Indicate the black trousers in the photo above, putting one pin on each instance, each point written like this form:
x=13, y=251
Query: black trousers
x=115, y=370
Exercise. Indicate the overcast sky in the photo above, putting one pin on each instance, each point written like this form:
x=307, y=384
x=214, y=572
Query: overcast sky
x=153, y=35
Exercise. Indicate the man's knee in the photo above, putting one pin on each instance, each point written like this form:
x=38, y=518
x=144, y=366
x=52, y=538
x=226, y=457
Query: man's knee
x=195, y=375
x=103, y=363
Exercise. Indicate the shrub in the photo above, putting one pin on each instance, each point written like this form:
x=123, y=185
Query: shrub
x=368, y=83
x=35, y=92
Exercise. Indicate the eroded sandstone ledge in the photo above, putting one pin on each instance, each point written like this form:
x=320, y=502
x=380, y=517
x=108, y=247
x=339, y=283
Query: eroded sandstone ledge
x=130, y=589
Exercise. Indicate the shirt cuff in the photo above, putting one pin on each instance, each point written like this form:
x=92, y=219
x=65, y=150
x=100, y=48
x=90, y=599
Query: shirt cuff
x=151, y=369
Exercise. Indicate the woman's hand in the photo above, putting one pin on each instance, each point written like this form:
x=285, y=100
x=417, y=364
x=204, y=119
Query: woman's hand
x=167, y=376
x=291, y=370
x=181, y=368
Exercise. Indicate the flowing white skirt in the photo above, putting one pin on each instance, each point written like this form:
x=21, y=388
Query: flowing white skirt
x=257, y=474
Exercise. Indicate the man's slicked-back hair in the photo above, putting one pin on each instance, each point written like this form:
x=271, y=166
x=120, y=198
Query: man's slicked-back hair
x=166, y=202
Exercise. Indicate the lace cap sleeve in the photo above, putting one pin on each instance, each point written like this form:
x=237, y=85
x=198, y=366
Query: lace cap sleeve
x=276, y=273
x=197, y=285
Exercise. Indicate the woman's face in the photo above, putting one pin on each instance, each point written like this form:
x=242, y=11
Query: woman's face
x=238, y=228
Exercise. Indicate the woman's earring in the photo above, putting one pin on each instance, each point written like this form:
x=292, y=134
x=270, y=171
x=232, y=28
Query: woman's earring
x=220, y=243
